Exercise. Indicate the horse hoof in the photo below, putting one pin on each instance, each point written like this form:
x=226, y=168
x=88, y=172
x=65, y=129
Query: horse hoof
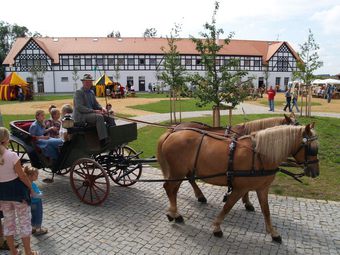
x=250, y=208
x=202, y=200
x=179, y=219
x=218, y=233
x=169, y=217
x=277, y=239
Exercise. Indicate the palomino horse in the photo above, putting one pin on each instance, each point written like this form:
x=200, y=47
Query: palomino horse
x=250, y=163
x=237, y=131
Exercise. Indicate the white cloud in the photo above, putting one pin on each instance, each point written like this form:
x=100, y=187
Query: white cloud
x=329, y=19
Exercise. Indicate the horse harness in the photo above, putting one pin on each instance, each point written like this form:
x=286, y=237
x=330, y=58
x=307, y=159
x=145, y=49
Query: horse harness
x=230, y=171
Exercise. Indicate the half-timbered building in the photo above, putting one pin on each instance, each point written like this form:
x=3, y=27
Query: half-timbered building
x=55, y=64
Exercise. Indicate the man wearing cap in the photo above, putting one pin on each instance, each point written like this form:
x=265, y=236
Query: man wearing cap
x=87, y=109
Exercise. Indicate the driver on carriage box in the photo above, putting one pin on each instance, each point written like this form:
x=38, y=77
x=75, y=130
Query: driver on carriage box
x=87, y=109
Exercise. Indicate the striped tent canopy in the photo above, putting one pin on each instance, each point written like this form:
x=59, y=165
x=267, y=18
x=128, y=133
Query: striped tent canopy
x=101, y=84
x=9, y=86
x=14, y=80
x=103, y=80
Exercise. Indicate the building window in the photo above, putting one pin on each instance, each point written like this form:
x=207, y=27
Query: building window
x=286, y=80
x=76, y=62
x=29, y=62
x=64, y=79
x=111, y=61
x=65, y=62
x=88, y=62
x=121, y=61
x=278, y=81
x=153, y=61
x=188, y=62
x=247, y=62
x=257, y=62
x=99, y=61
x=198, y=61
x=23, y=62
x=226, y=61
x=141, y=61
x=130, y=61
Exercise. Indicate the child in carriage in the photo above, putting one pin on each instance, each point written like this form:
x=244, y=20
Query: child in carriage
x=36, y=203
x=53, y=125
x=48, y=145
x=66, y=112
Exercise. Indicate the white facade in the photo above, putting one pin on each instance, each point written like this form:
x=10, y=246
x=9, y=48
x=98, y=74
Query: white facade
x=138, y=69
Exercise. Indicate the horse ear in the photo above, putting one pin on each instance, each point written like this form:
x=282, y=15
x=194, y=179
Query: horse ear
x=312, y=125
x=292, y=114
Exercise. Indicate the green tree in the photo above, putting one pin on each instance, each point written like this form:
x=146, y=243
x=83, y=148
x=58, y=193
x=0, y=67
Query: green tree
x=221, y=83
x=114, y=34
x=75, y=78
x=309, y=64
x=8, y=34
x=150, y=32
x=174, y=73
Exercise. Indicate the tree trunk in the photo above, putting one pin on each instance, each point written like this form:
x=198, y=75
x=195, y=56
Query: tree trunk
x=170, y=100
x=216, y=116
x=309, y=101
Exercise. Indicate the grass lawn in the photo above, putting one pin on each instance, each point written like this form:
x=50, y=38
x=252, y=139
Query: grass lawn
x=187, y=105
x=151, y=95
x=326, y=186
x=43, y=97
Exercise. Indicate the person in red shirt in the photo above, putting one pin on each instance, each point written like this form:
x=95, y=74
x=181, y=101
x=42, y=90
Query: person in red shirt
x=271, y=94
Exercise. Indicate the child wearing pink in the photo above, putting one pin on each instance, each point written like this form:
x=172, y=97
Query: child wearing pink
x=15, y=189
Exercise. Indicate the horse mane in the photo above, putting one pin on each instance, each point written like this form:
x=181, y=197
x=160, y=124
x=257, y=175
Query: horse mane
x=256, y=125
x=276, y=143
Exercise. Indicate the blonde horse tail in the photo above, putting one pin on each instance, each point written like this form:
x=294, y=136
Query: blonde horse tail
x=161, y=160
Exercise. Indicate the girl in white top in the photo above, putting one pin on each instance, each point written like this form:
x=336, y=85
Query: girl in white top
x=15, y=190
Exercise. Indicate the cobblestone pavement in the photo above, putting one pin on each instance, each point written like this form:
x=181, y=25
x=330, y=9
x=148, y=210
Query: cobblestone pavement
x=132, y=221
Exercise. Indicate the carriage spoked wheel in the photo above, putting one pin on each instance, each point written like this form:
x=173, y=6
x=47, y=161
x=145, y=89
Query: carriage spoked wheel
x=89, y=181
x=20, y=151
x=124, y=172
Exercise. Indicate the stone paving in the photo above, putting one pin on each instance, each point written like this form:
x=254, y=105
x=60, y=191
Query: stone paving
x=132, y=221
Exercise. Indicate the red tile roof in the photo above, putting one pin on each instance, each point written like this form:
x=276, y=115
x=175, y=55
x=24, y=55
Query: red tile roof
x=128, y=45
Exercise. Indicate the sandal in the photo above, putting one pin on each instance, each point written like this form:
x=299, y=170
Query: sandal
x=40, y=231
x=34, y=253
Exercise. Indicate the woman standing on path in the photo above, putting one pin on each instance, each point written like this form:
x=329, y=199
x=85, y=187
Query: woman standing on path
x=15, y=192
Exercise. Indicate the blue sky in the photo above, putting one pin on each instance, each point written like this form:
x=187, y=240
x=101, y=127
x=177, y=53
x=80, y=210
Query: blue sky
x=287, y=20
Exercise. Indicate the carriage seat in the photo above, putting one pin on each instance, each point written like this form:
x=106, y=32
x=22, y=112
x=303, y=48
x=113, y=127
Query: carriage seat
x=25, y=125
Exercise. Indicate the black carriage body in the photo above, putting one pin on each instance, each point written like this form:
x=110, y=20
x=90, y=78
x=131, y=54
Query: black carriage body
x=85, y=143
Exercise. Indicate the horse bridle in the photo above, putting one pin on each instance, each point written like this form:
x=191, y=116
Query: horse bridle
x=308, y=151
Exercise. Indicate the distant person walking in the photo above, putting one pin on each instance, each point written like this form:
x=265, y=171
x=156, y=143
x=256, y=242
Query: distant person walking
x=329, y=92
x=271, y=95
x=288, y=96
x=295, y=99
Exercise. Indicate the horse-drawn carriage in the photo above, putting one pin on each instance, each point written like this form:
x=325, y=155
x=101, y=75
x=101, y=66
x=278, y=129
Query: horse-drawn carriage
x=90, y=165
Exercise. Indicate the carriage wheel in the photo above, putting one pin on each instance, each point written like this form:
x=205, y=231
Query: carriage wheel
x=20, y=151
x=89, y=181
x=131, y=173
